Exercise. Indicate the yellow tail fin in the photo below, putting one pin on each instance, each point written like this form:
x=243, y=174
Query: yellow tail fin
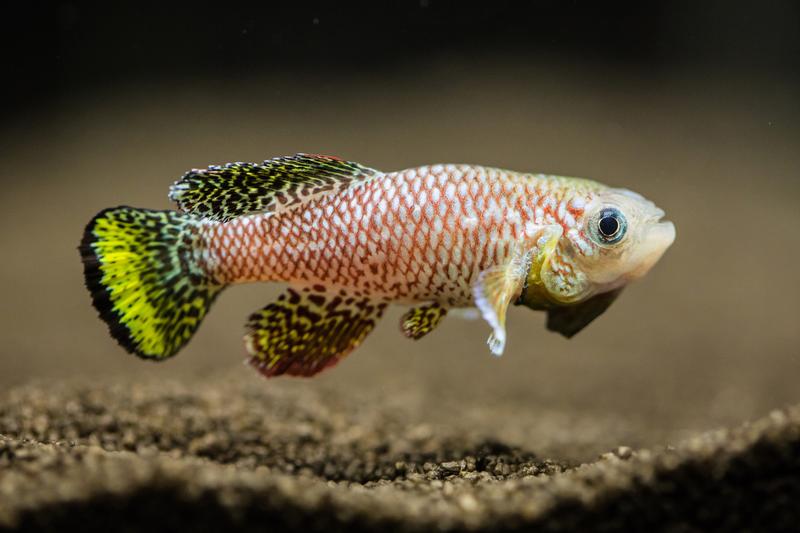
x=143, y=269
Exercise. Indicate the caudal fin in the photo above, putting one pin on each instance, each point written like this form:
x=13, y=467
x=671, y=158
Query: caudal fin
x=143, y=270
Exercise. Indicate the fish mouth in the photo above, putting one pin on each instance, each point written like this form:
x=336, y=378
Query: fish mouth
x=662, y=230
x=657, y=238
x=660, y=233
x=667, y=229
x=656, y=215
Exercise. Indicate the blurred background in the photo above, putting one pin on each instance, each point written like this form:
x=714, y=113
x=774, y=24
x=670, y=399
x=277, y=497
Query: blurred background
x=695, y=105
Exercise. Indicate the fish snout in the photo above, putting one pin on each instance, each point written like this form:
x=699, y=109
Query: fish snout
x=658, y=237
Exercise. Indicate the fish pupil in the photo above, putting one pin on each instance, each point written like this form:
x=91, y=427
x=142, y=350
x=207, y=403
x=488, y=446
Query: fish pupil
x=609, y=225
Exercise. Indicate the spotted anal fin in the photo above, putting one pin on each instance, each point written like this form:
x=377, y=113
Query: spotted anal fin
x=237, y=189
x=572, y=319
x=419, y=321
x=306, y=331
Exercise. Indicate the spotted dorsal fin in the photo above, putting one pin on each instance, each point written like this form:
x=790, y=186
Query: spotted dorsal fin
x=308, y=330
x=236, y=189
x=419, y=321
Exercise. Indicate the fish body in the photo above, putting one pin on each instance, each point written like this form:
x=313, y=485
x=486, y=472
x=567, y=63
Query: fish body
x=350, y=240
x=420, y=235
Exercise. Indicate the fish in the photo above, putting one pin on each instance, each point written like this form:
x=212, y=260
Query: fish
x=349, y=240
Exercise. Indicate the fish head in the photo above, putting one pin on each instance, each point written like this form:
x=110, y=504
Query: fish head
x=618, y=238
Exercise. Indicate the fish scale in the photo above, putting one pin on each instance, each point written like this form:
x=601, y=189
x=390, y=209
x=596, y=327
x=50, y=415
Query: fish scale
x=349, y=240
x=418, y=235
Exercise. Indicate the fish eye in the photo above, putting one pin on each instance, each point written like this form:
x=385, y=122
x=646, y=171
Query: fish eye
x=611, y=226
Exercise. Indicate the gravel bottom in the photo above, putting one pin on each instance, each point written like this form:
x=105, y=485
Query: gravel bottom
x=246, y=456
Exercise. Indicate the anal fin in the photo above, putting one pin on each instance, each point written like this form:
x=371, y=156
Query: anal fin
x=419, y=321
x=306, y=331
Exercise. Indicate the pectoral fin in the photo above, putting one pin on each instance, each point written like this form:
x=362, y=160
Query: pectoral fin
x=499, y=286
x=419, y=321
x=493, y=293
x=571, y=319
x=306, y=331
x=495, y=289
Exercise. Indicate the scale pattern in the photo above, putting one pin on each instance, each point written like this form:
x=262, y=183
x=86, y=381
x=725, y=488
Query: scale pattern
x=418, y=235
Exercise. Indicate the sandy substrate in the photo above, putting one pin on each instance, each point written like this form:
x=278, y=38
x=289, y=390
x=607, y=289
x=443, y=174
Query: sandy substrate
x=237, y=454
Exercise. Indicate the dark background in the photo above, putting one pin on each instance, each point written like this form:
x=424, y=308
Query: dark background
x=59, y=47
x=693, y=104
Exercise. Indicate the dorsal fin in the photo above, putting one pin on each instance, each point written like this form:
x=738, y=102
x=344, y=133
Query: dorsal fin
x=236, y=189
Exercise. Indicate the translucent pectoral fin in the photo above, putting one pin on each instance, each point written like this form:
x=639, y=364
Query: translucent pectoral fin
x=501, y=285
x=419, y=321
x=572, y=319
x=306, y=331
x=495, y=290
